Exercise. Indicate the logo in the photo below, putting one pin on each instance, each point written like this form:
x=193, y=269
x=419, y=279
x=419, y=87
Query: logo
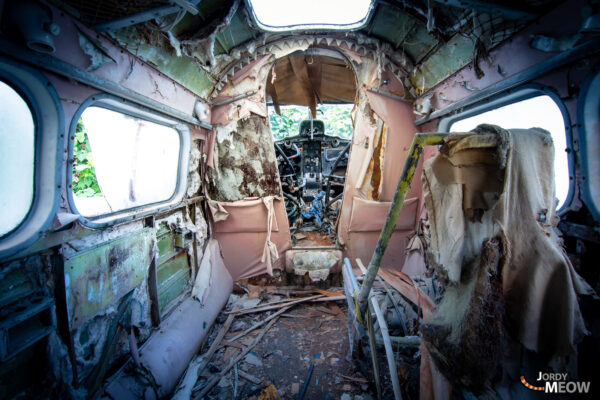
x=556, y=383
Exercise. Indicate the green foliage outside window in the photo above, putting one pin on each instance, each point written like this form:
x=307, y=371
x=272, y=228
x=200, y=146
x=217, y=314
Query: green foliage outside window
x=85, y=183
x=337, y=119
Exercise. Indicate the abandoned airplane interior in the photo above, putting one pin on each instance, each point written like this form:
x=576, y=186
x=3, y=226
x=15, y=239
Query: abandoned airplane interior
x=299, y=199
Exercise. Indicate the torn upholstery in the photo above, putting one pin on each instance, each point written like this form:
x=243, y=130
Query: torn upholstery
x=493, y=183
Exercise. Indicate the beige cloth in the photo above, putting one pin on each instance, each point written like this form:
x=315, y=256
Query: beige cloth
x=539, y=283
x=270, y=253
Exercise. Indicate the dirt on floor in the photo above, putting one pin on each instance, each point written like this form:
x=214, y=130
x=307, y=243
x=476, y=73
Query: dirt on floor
x=306, y=334
x=313, y=239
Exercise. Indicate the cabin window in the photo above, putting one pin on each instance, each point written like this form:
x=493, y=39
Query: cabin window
x=540, y=112
x=122, y=161
x=17, y=158
x=279, y=15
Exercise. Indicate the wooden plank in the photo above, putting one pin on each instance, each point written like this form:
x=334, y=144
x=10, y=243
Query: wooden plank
x=251, y=310
x=217, y=377
x=411, y=292
x=253, y=327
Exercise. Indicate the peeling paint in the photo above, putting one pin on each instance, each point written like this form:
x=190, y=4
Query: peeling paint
x=99, y=277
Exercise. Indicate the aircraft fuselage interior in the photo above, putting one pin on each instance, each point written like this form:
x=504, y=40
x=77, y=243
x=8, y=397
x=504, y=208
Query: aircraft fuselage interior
x=283, y=199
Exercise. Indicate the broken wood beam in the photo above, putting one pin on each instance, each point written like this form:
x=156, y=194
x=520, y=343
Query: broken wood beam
x=333, y=298
x=217, y=377
x=273, y=306
x=411, y=291
x=260, y=323
x=248, y=377
x=254, y=309
x=227, y=343
x=354, y=379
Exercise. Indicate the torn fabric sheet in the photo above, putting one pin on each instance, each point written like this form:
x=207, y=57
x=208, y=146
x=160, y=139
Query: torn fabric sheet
x=203, y=278
x=218, y=212
x=270, y=253
x=539, y=284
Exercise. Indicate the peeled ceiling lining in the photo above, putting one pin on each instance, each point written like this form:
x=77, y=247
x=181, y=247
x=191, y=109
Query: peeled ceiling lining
x=306, y=80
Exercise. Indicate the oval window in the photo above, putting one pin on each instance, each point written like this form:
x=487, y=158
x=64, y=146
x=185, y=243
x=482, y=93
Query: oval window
x=121, y=162
x=17, y=156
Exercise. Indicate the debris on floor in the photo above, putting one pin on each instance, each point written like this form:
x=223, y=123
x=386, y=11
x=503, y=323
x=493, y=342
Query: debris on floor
x=279, y=347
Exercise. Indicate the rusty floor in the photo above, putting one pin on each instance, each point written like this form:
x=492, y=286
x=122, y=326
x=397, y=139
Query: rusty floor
x=308, y=333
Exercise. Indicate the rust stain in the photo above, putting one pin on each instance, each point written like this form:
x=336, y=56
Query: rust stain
x=117, y=255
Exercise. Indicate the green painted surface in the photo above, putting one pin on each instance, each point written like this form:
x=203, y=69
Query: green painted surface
x=418, y=43
x=166, y=246
x=15, y=285
x=96, y=278
x=172, y=278
x=234, y=34
x=170, y=268
x=392, y=25
x=444, y=62
x=182, y=70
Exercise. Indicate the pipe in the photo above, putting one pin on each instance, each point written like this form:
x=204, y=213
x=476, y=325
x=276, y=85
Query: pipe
x=306, y=381
x=389, y=352
x=234, y=99
x=410, y=165
x=389, y=95
x=286, y=159
x=333, y=169
x=351, y=276
x=167, y=353
x=292, y=199
x=339, y=196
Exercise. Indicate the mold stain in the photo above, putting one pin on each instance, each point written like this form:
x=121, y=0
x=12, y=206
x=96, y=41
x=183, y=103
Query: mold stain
x=247, y=166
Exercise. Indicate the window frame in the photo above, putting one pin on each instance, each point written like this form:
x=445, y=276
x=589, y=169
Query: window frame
x=44, y=104
x=516, y=95
x=126, y=107
x=588, y=110
x=314, y=26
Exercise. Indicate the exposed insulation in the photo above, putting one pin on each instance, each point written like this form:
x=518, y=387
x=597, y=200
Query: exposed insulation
x=246, y=165
x=489, y=184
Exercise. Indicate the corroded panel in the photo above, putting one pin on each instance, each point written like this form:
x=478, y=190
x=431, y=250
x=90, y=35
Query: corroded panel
x=95, y=279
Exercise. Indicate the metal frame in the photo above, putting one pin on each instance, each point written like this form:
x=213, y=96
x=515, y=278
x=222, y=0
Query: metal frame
x=48, y=63
x=420, y=140
x=584, y=50
x=516, y=95
x=47, y=113
x=588, y=110
x=125, y=107
x=180, y=5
